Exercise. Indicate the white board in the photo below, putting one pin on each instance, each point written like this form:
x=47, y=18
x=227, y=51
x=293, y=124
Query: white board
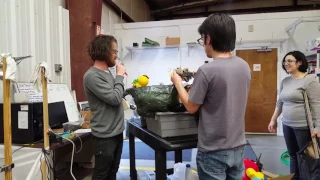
x=56, y=93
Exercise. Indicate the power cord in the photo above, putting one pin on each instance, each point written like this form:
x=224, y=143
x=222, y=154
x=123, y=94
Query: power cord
x=50, y=132
x=80, y=143
x=73, y=149
x=49, y=169
x=14, y=151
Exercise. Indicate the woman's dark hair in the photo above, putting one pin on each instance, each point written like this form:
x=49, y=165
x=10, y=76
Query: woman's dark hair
x=100, y=48
x=222, y=30
x=300, y=57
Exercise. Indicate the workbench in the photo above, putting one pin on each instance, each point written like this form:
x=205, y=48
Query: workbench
x=61, y=152
x=160, y=146
x=27, y=165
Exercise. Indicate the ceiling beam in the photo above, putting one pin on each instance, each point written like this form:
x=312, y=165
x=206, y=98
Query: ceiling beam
x=118, y=10
x=242, y=11
x=183, y=6
x=151, y=4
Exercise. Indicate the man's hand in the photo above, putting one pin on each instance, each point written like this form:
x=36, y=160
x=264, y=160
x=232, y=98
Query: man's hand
x=175, y=78
x=316, y=134
x=121, y=70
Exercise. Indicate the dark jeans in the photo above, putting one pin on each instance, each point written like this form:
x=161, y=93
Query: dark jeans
x=296, y=139
x=107, y=152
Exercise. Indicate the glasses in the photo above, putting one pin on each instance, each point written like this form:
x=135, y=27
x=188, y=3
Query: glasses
x=200, y=41
x=288, y=62
x=114, y=51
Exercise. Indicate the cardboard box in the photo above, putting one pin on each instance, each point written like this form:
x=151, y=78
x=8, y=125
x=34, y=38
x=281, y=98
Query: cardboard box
x=87, y=115
x=287, y=177
x=173, y=41
x=272, y=176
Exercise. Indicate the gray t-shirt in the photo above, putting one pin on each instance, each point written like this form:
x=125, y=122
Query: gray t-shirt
x=221, y=87
x=104, y=94
x=291, y=101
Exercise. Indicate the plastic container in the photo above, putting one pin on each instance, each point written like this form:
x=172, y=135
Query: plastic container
x=179, y=172
x=171, y=124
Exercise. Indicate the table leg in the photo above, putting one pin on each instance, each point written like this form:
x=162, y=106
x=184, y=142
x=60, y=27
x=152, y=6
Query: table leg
x=133, y=171
x=178, y=156
x=161, y=164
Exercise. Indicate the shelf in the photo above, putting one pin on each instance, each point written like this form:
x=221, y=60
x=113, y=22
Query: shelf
x=311, y=55
x=280, y=40
x=192, y=45
x=130, y=48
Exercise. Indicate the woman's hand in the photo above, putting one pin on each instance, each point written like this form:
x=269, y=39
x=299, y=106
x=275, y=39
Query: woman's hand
x=316, y=134
x=272, y=126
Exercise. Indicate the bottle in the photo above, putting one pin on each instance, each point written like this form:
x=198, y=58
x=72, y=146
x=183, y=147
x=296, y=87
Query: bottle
x=188, y=172
x=179, y=171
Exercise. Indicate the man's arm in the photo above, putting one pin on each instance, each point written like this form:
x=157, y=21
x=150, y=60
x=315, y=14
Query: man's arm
x=198, y=91
x=184, y=97
x=103, y=90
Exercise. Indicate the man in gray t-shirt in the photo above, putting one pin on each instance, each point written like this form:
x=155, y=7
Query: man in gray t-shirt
x=219, y=92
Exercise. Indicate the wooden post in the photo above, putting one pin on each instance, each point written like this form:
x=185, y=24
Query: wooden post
x=7, y=121
x=45, y=121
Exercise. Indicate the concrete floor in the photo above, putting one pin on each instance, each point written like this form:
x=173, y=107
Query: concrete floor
x=271, y=148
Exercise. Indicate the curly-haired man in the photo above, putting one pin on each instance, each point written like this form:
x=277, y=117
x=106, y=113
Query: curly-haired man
x=104, y=93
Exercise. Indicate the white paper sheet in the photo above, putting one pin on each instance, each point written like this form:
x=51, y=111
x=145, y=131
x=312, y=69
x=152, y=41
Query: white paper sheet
x=23, y=119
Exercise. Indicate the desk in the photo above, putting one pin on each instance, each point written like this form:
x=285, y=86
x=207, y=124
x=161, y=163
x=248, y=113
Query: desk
x=53, y=146
x=60, y=153
x=160, y=145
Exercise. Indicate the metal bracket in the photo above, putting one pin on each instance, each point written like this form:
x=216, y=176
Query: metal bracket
x=6, y=168
x=20, y=58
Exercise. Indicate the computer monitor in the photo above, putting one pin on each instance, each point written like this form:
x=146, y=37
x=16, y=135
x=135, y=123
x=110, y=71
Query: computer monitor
x=29, y=127
x=57, y=113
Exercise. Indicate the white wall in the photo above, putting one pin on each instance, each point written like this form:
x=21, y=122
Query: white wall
x=138, y=10
x=269, y=30
x=38, y=28
x=108, y=20
x=59, y=2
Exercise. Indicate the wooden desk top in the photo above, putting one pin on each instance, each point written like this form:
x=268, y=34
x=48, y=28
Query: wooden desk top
x=54, y=146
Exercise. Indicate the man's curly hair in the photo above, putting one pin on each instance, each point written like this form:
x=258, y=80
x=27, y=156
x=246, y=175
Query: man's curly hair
x=100, y=48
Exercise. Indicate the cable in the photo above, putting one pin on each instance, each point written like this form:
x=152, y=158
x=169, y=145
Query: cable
x=80, y=143
x=73, y=149
x=14, y=151
x=49, y=166
x=40, y=166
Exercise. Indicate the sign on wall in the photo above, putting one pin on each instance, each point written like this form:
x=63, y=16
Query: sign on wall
x=256, y=67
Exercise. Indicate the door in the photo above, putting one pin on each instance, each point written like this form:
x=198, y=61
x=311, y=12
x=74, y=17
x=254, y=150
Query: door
x=263, y=90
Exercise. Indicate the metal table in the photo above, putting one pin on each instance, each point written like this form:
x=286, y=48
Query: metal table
x=160, y=146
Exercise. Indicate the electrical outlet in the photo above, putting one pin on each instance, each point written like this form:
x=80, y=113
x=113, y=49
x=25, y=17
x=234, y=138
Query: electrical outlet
x=57, y=67
x=250, y=28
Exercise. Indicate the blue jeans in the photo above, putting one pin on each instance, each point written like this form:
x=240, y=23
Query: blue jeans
x=221, y=165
